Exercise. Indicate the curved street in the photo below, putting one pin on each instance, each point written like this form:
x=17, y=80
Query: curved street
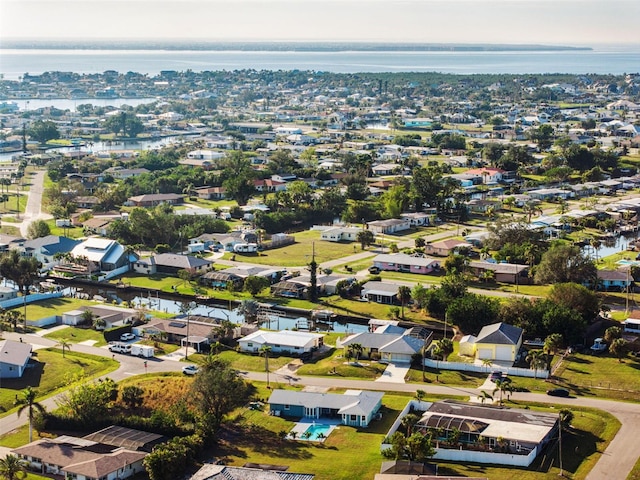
x=615, y=463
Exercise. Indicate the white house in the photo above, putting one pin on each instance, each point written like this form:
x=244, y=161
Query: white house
x=389, y=226
x=14, y=357
x=340, y=234
x=283, y=341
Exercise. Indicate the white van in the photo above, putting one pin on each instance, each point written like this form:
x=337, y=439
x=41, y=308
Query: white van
x=146, y=351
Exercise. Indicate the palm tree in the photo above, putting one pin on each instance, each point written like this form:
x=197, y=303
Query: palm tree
x=502, y=385
x=404, y=295
x=552, y=344
x=249, y=308
x=420, y=395
x=487, y=362
x=12, y=467
x=536, y=361
x=408, y=422
x=485, y=396
x=64, y=344
x=595, y=244
x=28, y=402
x=355, y=350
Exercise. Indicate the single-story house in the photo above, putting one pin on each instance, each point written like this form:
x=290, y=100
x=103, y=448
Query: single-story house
x=81, y=459
x=340, y=234
x=289, y=289
x=244, y=271
x=98, y=225
x=112, y=316
x=417, y=219
x=392, y=347
x=130, y=438
x=269, y=185
x=196, y=333
x=380, y=292
x=7, y=293
x=390, y=226
x=14, y=358
x=444, y=248
x=498, y=341
x=289, y=341
x=489, y=175
x=615, y=280
x=171, y=263
x=210, y=471
x=221, y=279
x=511, y=436
x=401, y=262
x=211, y=193
x=632, y=325
x=153, y=199
x=355, y=407
x=503, y=272
x=44, y=249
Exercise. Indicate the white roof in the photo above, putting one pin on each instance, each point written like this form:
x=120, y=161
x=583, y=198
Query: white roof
x=283, y=337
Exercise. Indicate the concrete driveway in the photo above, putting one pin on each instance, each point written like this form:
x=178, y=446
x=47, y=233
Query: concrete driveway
x=394, y=373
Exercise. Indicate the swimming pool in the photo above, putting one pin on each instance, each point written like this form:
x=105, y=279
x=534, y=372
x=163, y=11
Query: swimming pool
x=628, y=262
x=313, y=432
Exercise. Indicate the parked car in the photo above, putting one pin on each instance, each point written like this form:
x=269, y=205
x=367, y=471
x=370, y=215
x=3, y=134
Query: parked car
x=496, y=376
x=125, y=337
x=558, y=392
x=118, y=347
x=374, y=270
x=190, y=370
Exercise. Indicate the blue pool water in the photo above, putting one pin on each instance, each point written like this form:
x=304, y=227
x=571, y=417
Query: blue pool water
x=315, y=430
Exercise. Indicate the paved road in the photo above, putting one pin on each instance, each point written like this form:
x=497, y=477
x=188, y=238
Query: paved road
x=615, y=464
x=33, y=210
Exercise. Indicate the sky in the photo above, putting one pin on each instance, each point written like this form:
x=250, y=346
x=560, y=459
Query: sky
x=549, y=22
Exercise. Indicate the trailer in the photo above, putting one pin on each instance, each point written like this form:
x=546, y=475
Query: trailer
x=145, y=351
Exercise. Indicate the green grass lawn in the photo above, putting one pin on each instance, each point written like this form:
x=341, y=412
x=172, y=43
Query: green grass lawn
x=601, y=376
x=247, y=362
x=77, y=335
x=334, y=363
x=635, y=473
x=299, y=253
x=71, y=232
x=9, y=207
x=55, y=306
x=52, y=371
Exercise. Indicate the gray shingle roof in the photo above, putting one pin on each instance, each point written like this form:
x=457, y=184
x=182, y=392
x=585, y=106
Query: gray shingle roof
x=500, y=333
x=360, y=402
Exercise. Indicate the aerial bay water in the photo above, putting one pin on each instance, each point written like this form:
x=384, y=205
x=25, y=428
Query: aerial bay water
x=609, y=59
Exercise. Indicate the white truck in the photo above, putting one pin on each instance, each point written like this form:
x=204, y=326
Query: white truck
x=146, y=351
x=598, y=346
x=120, y=347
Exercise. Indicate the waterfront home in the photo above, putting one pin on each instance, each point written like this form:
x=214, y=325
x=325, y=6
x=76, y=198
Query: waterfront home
x=612, y=280
x=355, y=408
x=222, y=280
x=171, y=263
x=401, y=262
x=380, y=292
x=388, y=347
x=104, y=254
x=14, y=358
x=498, y=341
x=284, y=341
x=44, y=249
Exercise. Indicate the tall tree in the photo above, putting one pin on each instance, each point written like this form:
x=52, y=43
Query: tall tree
x=23, y=271
x=43, y=131
x=13, y=467
x=27, y=402
x=565, y=263
x=404, y=295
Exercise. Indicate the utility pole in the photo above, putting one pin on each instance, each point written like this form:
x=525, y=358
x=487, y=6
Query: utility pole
x=561, y=474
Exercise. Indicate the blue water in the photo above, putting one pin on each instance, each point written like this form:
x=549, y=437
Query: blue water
x=603, y=59
x=315, y=430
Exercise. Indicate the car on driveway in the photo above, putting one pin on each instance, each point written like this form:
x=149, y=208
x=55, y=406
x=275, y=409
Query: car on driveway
x=496, y=376
x=374, y=270
x=125, y=337
x=190, y=370
x=558, y=392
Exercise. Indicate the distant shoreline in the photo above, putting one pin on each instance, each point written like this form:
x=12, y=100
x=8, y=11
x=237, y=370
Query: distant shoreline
x=279, y=46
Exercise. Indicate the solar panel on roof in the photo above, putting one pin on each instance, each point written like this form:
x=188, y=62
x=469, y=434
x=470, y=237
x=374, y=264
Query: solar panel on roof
x=177, y=324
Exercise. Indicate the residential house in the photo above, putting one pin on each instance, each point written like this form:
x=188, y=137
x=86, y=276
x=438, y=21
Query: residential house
x=14, y=358
x=244, y=271
x=386, y=168
x=380, y=292
x=87, y=201
x=44, y=249
x=390, y=226
x=171, y=263
x=222, y=279
x=111, y=316
x=269, y=185
x=502, y=272
x=417, y=219
x=388, y=347
x=612, y=280
x=632, y=323
x=289, y=289
x=510, y=436
x=104, y=253
x=401, y=262
x=153, y=199
x=121, y=173
x=338, y=233
x=98, y=225
x=130, y=438
x=444, y=248
x=193, y=331
x=210, y=471
x=355, y=408
x=80, y=459
x=490, y=176
x=478, y=205
x=211, y=193
x=284, y=341
x=7, y=293
x=498, y=341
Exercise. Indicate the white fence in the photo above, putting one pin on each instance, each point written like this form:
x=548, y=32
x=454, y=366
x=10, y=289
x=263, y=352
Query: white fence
x=34, y=297
x=44, y=322
x=470, y=367
x=464, y=456
x=411, y=405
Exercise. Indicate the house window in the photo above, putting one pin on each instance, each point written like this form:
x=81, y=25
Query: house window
x=353, y=418
x=249, y=344
x=363, y=418
x=286, y=407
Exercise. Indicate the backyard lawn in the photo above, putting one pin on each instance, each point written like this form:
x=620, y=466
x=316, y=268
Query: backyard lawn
x=52, y=371
x=336, y=364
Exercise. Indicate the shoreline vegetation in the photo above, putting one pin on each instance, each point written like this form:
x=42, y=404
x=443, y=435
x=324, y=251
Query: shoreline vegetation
x=283, y=46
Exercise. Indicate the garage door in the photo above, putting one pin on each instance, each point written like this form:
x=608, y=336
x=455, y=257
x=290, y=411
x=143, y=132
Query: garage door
x=503, y=353
x=485, y=353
